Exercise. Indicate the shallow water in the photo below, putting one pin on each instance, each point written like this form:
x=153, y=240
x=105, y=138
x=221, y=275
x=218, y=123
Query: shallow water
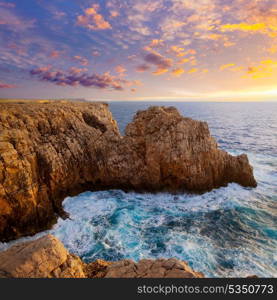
x=228, y=232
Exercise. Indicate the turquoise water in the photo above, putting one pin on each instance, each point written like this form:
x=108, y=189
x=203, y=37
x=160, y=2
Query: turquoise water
x=228, y=232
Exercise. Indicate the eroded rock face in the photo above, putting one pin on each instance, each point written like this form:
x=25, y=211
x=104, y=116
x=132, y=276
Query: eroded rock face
x=145, y=268
x=164, y=151
x=53, y=150
x=47, y=258
x=42, y=258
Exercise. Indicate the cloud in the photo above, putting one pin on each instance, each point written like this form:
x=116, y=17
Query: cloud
x=58, y=14
x=13, y=22
x=183, y=61
x=266, y=68
x=82, y=60
x=93, y=20
x=156, y=43
x=178, y=51
x=74, y=70
x=148, y=6
x=7, y=4
x=96, y=53
x=120, y=69
x=193, y=70
x=75, y=78
x=265, y=28
x=55, y=54
x=223, y=67
x=177, y=72
x=160, y=71
x=191, y=60
x=114, y=13
x=243, y=27
x=142, y=68
x=158, y=60
x=4, y=85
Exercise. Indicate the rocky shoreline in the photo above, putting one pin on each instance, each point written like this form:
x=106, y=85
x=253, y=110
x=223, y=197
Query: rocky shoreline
x=47, y=258
x=56, y=149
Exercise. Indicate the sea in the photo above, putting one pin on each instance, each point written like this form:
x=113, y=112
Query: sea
x=227, y=232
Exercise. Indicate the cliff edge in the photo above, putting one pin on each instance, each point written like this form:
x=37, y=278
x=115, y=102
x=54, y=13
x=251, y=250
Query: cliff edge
x=46, y=257
x=52, y=150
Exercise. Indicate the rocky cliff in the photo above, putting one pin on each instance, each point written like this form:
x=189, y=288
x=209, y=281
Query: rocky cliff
x=47, y=258
x=52, y=150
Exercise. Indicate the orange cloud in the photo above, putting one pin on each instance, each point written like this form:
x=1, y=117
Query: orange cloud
x=55, y=54
x=160, y=71
x=193, y=70
x=266, y=68
x=156, y=43
x=120, y=69
x=269, y=28
x=243, y=27
x=77, y=70
x=114, y=13
x=223, y=67
x=93, y=20
x=183, y=61
x=177, y=72
x=178, y=51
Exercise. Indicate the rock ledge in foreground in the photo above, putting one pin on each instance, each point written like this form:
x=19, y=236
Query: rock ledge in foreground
x=47, y=258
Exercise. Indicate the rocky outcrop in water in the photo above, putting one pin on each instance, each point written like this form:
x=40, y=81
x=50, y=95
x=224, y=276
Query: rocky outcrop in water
x=47, y=258
x=52, y=150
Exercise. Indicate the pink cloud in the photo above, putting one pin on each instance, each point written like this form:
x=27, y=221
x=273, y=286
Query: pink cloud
x=96, y=53
x=93, y=20
x=7, y=4
x=55, y=54
x=4, y=85
x=82, y=60
x=13, y=22
x=120, y=69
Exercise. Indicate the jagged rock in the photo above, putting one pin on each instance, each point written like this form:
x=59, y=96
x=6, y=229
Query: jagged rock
x=42, y=258
x=46, y=257
x=53, y=150
x=146, y=268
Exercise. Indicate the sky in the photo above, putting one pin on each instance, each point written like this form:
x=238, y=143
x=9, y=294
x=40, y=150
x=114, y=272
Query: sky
x=143, y=50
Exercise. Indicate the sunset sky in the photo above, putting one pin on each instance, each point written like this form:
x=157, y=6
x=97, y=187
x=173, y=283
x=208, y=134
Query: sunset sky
x=139, y=49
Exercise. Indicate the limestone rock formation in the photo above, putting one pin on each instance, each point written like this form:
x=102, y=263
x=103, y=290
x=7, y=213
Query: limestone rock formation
x=42, y=258
x=47, y=258
x=52, y=150
x=145, y=268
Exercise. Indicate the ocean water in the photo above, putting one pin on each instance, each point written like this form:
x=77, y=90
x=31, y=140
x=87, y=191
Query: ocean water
x=228, y=232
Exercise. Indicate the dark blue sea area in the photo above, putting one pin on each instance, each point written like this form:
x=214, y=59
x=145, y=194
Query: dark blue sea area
x=228, y=232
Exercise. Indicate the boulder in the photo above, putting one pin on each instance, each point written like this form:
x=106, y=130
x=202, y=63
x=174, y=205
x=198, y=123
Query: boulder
x=42, y=258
